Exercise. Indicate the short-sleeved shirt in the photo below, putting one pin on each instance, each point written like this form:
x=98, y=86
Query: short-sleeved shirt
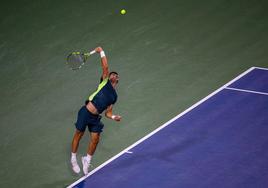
x=104, y=96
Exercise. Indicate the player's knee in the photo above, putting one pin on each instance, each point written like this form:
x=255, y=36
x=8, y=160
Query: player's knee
x=95, y=140
x=79, y=134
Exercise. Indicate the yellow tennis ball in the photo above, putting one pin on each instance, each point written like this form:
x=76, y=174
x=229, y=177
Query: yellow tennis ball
x=123, y=11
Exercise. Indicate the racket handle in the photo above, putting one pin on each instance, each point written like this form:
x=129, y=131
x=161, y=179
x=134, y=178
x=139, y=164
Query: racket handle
x=92, y=52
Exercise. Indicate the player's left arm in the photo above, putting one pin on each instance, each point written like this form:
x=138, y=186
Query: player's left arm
x=109, y=114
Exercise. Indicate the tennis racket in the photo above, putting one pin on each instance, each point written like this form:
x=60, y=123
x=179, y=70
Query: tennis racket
x=75, y=60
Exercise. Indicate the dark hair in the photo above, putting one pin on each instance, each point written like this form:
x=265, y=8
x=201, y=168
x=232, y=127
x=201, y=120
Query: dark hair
x=113, y=72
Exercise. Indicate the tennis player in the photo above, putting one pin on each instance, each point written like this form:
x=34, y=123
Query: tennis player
x=89, y=114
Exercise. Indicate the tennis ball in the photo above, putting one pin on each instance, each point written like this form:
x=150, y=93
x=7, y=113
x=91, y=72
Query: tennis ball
x=123, y=11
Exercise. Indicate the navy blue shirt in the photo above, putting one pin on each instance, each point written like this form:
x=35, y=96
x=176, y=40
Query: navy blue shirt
x=104, y=96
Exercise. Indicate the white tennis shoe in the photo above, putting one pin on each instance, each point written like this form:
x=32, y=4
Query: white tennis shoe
x=86, y=164
x=75, y=166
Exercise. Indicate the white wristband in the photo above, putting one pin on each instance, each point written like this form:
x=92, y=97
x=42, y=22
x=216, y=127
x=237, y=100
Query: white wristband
x=102, y=54
x=113, y=117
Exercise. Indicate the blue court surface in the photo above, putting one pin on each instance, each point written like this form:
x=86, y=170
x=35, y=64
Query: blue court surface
x=221, y=141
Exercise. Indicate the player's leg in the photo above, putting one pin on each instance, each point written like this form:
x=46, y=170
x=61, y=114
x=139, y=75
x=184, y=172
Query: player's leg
x=86, y=160
x=76, y=139
x=94, y=140
x=80, y=125
x=75, y=143
x=95, y=131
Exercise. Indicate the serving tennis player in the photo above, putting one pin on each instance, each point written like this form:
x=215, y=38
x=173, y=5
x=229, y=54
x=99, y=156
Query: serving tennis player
x=89, y=114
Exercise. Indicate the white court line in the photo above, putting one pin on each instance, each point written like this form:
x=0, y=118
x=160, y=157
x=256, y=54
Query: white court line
x=261, y=68
x=163, y=126
x=245, y=90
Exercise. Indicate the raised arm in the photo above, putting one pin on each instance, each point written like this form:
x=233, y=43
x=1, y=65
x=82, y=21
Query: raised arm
x=104, y=62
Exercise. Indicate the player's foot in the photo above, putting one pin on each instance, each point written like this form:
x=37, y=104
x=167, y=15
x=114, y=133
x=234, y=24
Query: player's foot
x=75, y=165
x=86, y=164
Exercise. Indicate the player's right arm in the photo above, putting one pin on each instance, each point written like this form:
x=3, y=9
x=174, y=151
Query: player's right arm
x=109, y=114
x=104, y=63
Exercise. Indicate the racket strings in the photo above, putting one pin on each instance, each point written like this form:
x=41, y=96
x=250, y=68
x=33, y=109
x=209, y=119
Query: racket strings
x=76, y=60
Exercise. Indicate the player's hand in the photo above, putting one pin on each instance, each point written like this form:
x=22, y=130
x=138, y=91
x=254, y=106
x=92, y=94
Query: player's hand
x=98, y=49
x=117, y=118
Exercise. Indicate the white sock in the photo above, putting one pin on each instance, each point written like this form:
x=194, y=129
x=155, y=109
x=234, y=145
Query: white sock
x=89, y=157
x=73, y=156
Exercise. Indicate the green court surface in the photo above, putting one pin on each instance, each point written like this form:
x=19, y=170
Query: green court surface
x=169, y=54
